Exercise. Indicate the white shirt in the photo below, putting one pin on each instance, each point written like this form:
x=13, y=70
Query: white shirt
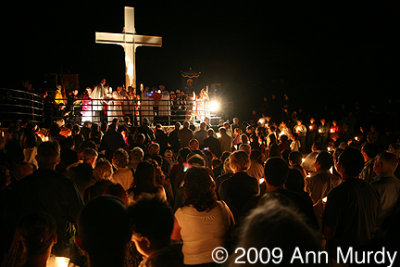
x=201, y=232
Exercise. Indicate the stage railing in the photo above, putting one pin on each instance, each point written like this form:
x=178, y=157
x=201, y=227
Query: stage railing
x=19, y=105
x=156, y=111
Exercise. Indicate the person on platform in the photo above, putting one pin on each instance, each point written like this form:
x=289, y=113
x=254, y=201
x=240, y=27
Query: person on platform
x=99, y=93
x=164, y=107
x=118, y=107
x=146, y=105
x=59, y=97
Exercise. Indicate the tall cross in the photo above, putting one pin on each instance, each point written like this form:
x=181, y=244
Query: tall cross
x=129, y=40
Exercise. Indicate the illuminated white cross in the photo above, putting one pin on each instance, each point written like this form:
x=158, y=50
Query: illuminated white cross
x=129, y=40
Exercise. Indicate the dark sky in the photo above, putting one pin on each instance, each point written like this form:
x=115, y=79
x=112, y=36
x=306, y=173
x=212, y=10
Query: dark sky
x=310, y=49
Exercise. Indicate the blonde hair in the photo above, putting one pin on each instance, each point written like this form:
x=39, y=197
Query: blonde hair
x=239, y=161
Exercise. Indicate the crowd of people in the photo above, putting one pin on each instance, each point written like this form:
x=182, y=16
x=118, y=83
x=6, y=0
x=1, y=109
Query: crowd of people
x=113, y=194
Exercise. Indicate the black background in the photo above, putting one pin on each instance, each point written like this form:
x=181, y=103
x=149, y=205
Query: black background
x=316, y=51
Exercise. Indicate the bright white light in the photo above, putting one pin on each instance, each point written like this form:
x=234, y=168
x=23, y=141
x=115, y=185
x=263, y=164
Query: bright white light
x=261, y=180
x=214, y=106
x=325, y=199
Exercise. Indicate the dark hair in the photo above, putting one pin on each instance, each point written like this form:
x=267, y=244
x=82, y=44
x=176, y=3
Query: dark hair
x=196, y=159
x=276, y=171
x=351, y=161
x=103, y=226
x=295, y=180
x=275, y=225
x=274, y=150
x=145, y=178
x=325, y=160
x=152, y=217
x=272, y=138
x=199, y=189
x=284, y=138
x=295, y=157
x=370, y=149
x=48, y=153
x=36, y=231
x=183, y=153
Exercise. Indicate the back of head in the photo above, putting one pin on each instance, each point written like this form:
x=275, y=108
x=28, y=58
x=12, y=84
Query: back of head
x=351, y=161
x=151, y=217
x=388, y=160
x=36, y=232
x=183, y=153
x=199, y=189
x=246, y=148
x=239, y=161
x=276, y=171
x=210, y=132
x=137, y=154
x=120, y=158
x=186, y=124
x=145, y=176
x=273, y=225
x=196, y=160
x=295, y=180
x=48, y=154
x=103, y=170
x=89, y=154
x=325, y=160
x=103, y=227
x=370, y=149
x=203, y=125
x=222, y=130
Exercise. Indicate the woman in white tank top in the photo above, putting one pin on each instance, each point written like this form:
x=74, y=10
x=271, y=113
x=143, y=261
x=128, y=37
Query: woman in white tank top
x=203, y=222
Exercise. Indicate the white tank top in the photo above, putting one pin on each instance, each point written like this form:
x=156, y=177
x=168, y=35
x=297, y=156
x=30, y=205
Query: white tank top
x=202, y=231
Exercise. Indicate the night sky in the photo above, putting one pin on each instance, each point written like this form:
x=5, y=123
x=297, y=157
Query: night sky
x=313, y=50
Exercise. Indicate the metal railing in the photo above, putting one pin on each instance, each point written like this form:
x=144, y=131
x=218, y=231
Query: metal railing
x=19, y=105
x=155, y=111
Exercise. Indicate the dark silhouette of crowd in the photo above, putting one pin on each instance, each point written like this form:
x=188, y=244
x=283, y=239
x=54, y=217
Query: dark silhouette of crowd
x=119, y=195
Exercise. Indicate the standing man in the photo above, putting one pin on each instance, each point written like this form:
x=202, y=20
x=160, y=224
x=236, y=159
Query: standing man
x=99, y=92
x=118, y=107
x=351, y=210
